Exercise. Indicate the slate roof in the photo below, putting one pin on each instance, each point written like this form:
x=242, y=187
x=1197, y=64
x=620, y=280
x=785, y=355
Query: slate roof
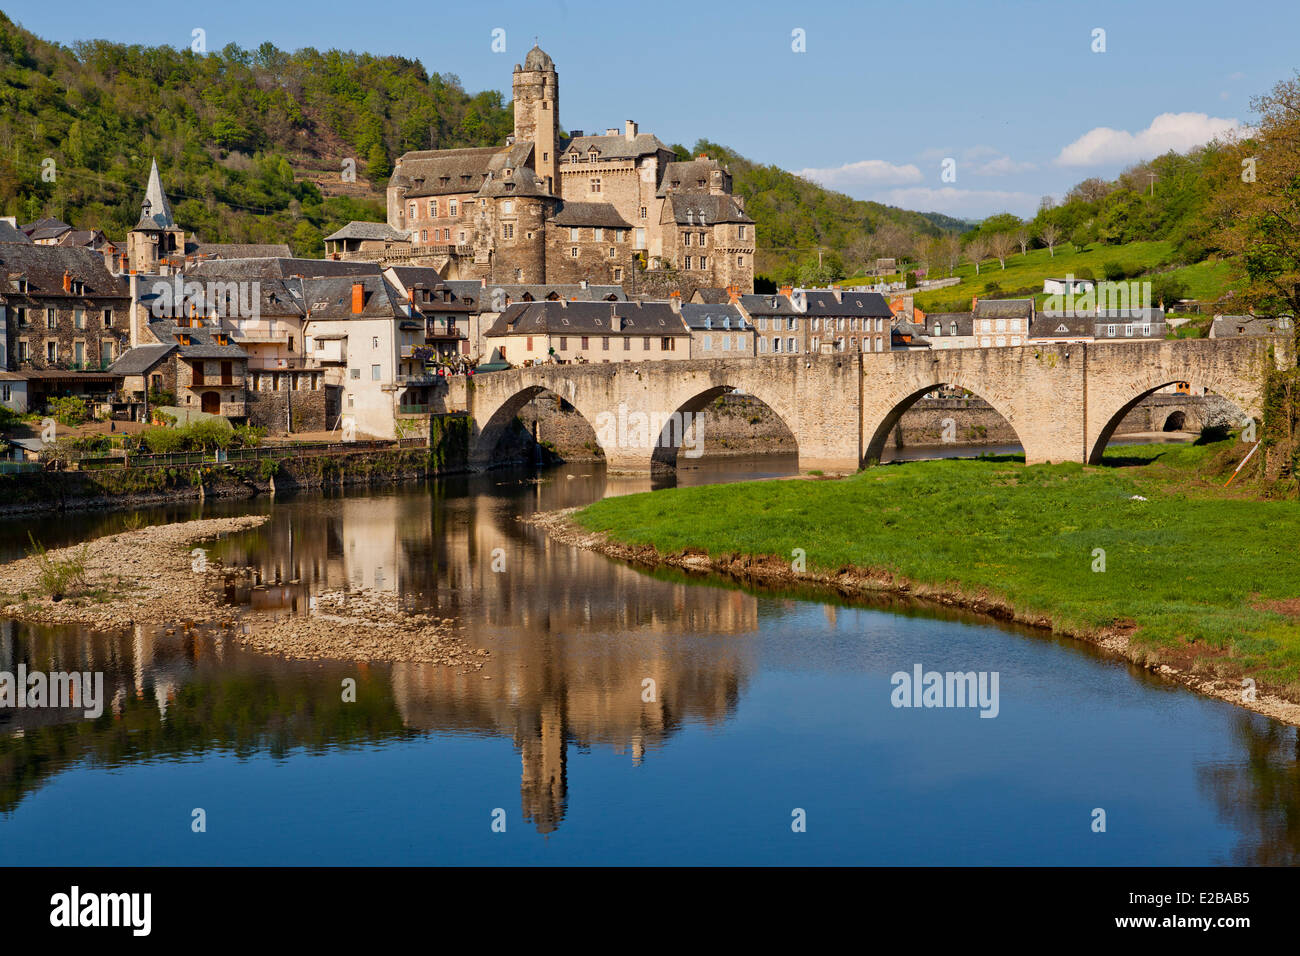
x=616, y=146
x=593, y=318
x=1152, y=314
x=767, y=304
x=48, y=227
x=712, y=295
x=44, y=266
x=10, y=234
x=155, y=211
x=590, y=214
x=1061, y=326
x=538, y=61
x=687, y=175
x=201, y=344
x=871, y=304
x=280, y=268
x=139, y=360
x=368, y=230
x=704, y=317
x=702, y=208
x=1226, y=326
x=240, y=250
x=330, y=297
x=522, y=181
x=515, y=292
x=423, y=171
x=1004, y=308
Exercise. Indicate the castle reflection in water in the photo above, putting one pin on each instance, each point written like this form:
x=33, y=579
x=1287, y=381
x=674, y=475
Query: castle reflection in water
x=574, y=638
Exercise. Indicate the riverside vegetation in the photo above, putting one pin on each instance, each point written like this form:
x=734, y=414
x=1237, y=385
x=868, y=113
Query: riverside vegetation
x=1150, y=548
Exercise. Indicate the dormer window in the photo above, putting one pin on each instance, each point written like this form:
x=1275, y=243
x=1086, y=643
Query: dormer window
x=22, y=286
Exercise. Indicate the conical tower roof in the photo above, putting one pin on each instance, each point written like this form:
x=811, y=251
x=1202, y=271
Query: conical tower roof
x=155, y=211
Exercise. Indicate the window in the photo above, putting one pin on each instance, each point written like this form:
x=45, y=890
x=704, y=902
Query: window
x=938, y=329
x=706, y=343
x=952, y=329
x=645, y=343
x=640, y=238
x=22, y=317
x=704, y=262
x=52, y=351
x=508, y=206
x=686, y=239
x=585, y=343
x=790, y=323
x=1128, y=330
x=611, y=252
x=1146, y=330
x=530, y=343
x=573, y=252
x=740, y=262
x=762, y=345
x=604, y=343
x=79, y=352
x=666, y=345
x=374, y=342
x=424, y=235
x=23, y=353
x=1002, y=340
x=627, y=344
x=79, y=318
x=643, y=212
x=508, y=230
x=740, y=232
x=411, y=210
x=816, y=344
x=598, y=234
x=1001, y=325
x=686, y=263
x=790, y=345
x=574, y=233
x=1110, y=330
x=564, y=343
x=51, y=319
x=453, y=208
x=618, y=275
x=985, y=341
x=374, y=373
x=433, y=208
x=595, y=185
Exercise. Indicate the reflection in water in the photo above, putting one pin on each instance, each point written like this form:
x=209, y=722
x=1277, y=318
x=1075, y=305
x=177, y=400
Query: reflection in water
x=645, y=670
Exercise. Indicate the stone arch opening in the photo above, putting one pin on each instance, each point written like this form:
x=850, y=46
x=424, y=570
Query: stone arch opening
x=942, y=414
x=535, y=423
x=1218, y=412
x=721, y=421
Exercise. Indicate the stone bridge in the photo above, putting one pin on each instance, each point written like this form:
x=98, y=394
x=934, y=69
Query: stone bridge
x=1064, y=401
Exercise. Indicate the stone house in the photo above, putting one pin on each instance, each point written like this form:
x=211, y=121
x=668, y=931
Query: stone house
x=1232, y=326
x=718, y=331
x=1139, y=323
x=588, y=242
x=1002, y=322
x=950, y=330
x=708, y=239
x=562, y=331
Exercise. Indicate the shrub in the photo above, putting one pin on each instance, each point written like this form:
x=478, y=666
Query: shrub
x=68, y=410
x=60, y=577
x=249, y=436
x=210, y=433
x=162, y=398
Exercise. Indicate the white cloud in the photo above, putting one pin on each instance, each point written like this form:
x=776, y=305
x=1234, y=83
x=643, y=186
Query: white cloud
x=867, y=172
x=1237, y=76
x=974, y=203
x=1178, y=131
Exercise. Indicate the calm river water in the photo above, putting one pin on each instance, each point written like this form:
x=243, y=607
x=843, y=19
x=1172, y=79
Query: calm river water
x=764, y=704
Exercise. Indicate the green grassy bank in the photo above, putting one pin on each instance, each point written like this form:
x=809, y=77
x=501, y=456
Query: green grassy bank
x=1195, y=570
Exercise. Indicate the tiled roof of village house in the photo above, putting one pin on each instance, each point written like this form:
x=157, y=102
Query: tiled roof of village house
x=435, y=172
x=697, y=208
x=1061, y=326
x=594, y=318
x=616, y=146
x=275, y=296
x=82, y=237
x=48, y=227
x=330, y=297
x=698, y=316
x=201, y=344
x=9, y=233
x=1226, y=326
x=280, y=268
x=368, y=230
x=475, y=291
x=768, y=303
x=44, y=266
x=712, y=295
x=871, y=304
x=964, y=322
x=239, y=250
x=138, y=360
x=690, y=175
x=1004, y=308
x=590, y=214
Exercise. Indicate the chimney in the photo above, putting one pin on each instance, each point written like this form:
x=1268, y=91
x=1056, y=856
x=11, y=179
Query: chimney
x=611, y=131
x=974, y=301
x=733, y=293
x=785, y=290
x=358, y=298
x=675, y=300
x=67, y=281
x=702, y=156
x=629, y=130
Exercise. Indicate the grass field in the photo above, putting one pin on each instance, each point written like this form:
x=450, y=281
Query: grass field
x=1206, y=281
x=1193, y=564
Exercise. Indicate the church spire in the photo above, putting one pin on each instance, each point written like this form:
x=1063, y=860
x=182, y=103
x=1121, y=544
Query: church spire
x=155, y=211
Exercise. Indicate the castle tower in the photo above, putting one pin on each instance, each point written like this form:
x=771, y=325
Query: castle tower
x=537, y=111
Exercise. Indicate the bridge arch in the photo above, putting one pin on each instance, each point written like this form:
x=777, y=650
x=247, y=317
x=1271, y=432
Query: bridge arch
x=897, y=403
x=1114, y=407
x=685, y=430
x=500, y=421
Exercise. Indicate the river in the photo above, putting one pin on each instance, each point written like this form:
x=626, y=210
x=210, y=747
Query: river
x=623, y=717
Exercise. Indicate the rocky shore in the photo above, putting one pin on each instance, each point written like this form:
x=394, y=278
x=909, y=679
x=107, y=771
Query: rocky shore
x=159, y=576
x=849, y=582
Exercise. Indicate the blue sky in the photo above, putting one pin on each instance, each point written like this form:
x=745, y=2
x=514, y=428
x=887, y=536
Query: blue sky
x=1012, y=91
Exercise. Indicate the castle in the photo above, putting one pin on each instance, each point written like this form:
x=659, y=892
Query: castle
x=613, y=208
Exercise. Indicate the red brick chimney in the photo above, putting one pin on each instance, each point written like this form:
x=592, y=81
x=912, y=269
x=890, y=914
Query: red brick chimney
x=67, y=281
x=358, y=297
x=974, y=301
x=786, y=290
x=733, y=294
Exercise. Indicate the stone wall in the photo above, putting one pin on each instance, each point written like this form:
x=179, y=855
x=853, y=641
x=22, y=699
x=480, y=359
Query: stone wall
x=303, y=409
